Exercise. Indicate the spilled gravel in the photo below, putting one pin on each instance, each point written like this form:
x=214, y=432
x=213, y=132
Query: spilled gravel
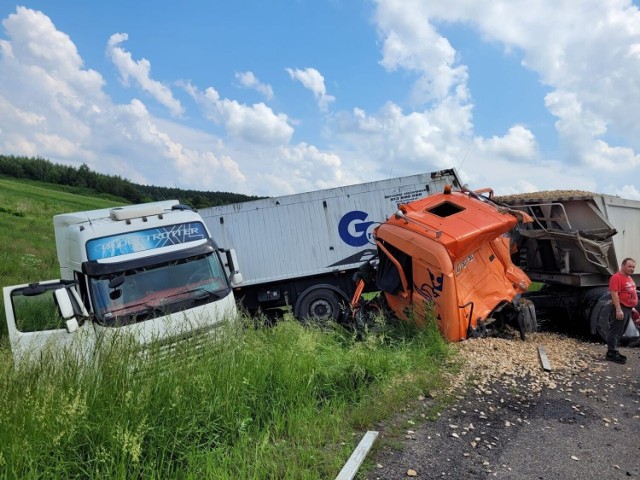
x=507, y=417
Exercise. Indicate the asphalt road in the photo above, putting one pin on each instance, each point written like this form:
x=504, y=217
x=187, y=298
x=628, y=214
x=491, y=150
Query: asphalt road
x=585, y=426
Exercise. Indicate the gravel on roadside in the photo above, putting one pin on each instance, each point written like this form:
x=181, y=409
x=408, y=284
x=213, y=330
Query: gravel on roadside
x=510, y=418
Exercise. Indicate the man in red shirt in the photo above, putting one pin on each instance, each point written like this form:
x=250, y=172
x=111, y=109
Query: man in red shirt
x=624, y=298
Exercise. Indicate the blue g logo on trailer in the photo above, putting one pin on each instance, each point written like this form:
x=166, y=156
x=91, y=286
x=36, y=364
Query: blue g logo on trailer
x=353, y=228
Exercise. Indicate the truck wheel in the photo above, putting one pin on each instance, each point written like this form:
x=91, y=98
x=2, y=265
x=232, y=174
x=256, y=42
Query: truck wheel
x=525, y=318
x=600, y=316
x=603, y=310
x=530, y=320
x=318, y=305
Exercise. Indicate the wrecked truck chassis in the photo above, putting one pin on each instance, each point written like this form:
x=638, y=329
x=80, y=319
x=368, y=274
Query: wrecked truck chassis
x=449, y=253
x=363, y=314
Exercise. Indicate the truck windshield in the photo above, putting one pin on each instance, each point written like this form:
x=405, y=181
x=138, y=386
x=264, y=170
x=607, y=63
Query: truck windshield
x=156, y=290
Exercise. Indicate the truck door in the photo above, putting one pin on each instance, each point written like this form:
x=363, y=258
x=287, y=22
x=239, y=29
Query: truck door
x=46, y=316
x=395, y=279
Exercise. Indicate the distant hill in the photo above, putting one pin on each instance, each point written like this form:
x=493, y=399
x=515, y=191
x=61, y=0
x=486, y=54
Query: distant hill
x=83, y=181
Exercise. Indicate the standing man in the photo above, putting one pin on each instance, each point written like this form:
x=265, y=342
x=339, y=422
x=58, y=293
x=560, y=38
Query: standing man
x=624, y=298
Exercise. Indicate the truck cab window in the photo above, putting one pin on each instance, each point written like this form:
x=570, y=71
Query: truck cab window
x=159, y=289
x=388, y=276
x=36, y=312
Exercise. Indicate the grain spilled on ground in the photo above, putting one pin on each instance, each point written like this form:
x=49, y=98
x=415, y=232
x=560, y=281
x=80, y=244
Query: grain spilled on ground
x=516, y=363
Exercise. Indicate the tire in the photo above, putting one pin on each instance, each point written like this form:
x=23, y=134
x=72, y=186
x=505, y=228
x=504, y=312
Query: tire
x=530, y=320
x=319, y=305
x=600, y=314
x=525, y=318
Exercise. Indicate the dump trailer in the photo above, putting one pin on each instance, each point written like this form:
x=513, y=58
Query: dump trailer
x=300, y=251
x=152, y=271
x=576, y=242
x=448, y=255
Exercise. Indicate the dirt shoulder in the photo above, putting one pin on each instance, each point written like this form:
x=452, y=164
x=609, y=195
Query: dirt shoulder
x=517, y=421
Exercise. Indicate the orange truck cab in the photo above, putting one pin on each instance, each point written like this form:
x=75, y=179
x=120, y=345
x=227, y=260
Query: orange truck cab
x=450, y=253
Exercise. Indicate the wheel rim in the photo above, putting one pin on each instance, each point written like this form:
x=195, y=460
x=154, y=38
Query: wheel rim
x=320, y=308
x=319, y=304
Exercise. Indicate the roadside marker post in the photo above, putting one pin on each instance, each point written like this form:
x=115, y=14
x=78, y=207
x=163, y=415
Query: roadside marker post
x=350, y=468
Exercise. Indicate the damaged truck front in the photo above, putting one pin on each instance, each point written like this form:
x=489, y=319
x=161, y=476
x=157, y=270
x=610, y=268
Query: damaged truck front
x=449, y=254
x=151, y=271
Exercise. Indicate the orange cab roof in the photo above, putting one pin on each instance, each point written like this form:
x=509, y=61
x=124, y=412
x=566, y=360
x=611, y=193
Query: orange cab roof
x=458, y=221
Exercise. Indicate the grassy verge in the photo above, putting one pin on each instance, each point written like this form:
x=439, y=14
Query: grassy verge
x=280, y=402
x=28, y=251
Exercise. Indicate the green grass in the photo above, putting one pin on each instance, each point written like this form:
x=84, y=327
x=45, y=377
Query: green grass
x=535, y=286
x=284, y=402
x=279, y=402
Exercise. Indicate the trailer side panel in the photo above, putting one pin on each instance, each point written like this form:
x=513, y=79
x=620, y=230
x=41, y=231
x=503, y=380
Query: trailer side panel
x=315, y=233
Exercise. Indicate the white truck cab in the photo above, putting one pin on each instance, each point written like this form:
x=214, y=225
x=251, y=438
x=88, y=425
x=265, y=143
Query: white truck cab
x=150, y=270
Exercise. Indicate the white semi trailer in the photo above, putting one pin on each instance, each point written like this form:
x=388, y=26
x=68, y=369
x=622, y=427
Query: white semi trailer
x=152, y=271
x=302, y=250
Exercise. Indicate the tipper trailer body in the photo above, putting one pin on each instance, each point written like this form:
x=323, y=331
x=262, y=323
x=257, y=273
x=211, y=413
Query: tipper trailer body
x=576, y=242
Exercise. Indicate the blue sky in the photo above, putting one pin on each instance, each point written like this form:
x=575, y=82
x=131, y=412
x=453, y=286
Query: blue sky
x=274, y=98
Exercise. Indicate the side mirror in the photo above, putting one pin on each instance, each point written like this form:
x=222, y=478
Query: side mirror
x=115, y=294
x=236, y=279
x=64, y=303
x=232, y=261
x=72, y=325
x=115, y=282
x=66, y=309
x=33, y=289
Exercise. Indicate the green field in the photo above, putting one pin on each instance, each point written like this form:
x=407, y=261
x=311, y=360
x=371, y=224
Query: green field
x=268, y=402
x=28, y=251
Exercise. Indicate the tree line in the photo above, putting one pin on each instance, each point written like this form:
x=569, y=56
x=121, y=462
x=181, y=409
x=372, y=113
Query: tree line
x=83, y=180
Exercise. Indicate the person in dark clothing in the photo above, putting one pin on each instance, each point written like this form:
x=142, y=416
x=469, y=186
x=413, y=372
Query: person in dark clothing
x=624, y=299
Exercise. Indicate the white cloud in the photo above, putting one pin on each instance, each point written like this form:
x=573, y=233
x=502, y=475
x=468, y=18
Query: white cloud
x=140, y=71
x=605, y=157
x=518, y=144
x=249, y=80
x=629, y=191
x=586, y=52
x=44, y=89
x=304, y=161
x=312, y=80
x=255, y=124
x=507, y=176
x=198, y=167
x=390, y=142
x=410, y=42
x=51, y=106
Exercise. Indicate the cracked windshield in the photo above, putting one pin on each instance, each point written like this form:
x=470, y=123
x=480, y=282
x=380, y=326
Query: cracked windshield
x=157, y=289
